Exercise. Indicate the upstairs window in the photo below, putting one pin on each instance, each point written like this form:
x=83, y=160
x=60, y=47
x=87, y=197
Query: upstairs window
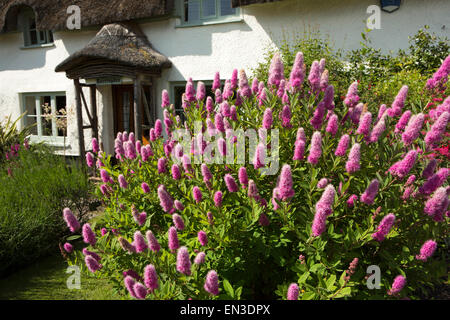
x=31, y=35
x=201, y=11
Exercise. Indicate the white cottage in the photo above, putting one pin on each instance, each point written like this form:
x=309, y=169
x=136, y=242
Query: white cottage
x=107, y=76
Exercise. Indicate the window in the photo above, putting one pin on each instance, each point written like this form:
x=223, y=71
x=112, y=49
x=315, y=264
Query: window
x=177, y=92
x=31, y=35
x=48, y=112
x=200, y=11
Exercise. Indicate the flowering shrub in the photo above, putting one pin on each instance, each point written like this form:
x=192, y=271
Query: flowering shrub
x=359, y=185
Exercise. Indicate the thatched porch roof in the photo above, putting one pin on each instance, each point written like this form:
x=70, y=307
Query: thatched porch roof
x=118, y=44
x=52, y=14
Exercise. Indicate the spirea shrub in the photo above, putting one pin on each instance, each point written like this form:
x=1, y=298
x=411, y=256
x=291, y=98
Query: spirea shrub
x=326, y=193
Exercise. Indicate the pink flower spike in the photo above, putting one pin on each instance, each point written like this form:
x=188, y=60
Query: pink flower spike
x=178, y=221
x=260, y=155
x=285, y=188
x=293, y=291
x=243, y=178
x=151, y=277
x=70, y=219
x=152, y=241
x=384, y=227
x=139, y=242
x=397, y=285
x=200, y=258
x=140, y=290
x=218, y=199
x=92, y=264
x=316, y=148
x=212, y=283
x=173, y=239
x=183, y=261
x=353, y=164
x=202, y=238
x=427, y=250
x=412, y=130
x=230, y=183
x=197, y=194
x=371, y=192
x=332, y=126
x=88, y=235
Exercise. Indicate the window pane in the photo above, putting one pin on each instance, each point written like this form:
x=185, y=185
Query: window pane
x=226, y=9
x=42, y=37
x=33, y=37
x=46, y=108
x=29, y=120
x=50, y=37
x=61, y=119
x=32, y=23
x=46, y=115
x=178, y=93
x=46, y=124
x=30, y=105
x=191, y=10
x=208, y=8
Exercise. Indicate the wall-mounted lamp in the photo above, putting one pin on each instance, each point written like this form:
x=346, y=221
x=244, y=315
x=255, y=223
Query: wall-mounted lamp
x=390, y=5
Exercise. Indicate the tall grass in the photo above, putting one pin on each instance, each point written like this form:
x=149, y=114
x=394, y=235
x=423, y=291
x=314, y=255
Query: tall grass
x=32, y=197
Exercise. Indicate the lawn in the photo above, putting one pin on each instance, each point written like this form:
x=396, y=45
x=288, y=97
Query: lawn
x=46, y=280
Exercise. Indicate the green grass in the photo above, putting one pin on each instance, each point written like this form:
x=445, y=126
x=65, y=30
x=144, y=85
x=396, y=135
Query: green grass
x=46, y=280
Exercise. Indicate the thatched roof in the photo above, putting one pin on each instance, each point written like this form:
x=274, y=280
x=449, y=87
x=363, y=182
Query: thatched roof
x=122, y=44
x=52, y=14
x=241, y=3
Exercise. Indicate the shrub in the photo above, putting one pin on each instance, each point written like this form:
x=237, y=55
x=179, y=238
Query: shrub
x=380, y=75
x=355, y=189
x=10, y=136
x=35, y=186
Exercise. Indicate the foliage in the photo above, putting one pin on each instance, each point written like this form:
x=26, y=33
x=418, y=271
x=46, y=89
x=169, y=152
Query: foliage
x=255, y=259
x=381, y=75
x=35, y=186
x=10, y=135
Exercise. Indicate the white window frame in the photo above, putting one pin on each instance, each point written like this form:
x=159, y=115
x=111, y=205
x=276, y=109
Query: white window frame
x=54, y=138
x=205, y=20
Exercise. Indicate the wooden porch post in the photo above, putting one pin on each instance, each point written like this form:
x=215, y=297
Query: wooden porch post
x=79, y=119
x=93, y=89
x=137, y=109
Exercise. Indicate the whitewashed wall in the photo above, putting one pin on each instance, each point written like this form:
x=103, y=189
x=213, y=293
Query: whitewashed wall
x=199, y=52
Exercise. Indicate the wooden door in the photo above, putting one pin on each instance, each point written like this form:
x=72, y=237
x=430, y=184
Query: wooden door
x=123, y=106
x=123, y=99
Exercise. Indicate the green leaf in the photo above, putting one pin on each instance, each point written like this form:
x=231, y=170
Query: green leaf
x=341, y=279
x=330, y=282
x=238, y=293
x=316, y=267
x=308, y=295
x=228, y=288
x=344, y=292
x=77, y=236
x=303, y=277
